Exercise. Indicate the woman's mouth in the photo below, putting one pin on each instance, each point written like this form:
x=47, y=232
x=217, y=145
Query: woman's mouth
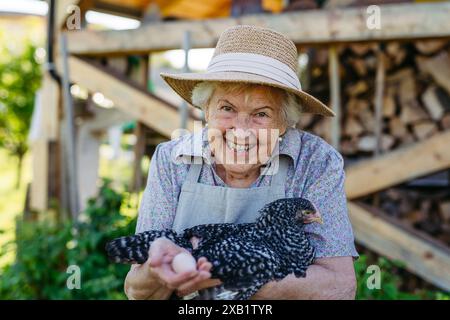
x=239, y=147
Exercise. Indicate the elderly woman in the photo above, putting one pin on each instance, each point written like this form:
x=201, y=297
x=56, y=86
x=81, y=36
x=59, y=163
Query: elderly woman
x=250, y=154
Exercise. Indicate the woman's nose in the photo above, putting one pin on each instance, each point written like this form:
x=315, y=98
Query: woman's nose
x=242, y=121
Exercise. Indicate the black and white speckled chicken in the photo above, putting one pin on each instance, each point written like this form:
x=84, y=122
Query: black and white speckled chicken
x=243, y=256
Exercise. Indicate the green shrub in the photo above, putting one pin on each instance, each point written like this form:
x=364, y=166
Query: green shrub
x=390, y=281
x=46, y=248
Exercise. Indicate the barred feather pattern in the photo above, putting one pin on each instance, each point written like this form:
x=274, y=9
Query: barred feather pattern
x=243, y=256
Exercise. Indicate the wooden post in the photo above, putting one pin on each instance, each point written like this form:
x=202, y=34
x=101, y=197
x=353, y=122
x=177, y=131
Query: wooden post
x=379, y=93
x=335, y=96
x=184, y=106
x=69, y=134
x=139, y=150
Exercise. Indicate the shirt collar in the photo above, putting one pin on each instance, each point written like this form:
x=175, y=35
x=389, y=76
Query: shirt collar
x=196, y=145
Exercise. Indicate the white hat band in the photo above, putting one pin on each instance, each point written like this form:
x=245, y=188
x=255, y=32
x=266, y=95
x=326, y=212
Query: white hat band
x=256, y=64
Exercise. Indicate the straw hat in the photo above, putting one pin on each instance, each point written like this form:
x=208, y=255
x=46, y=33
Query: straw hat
x=250, y=54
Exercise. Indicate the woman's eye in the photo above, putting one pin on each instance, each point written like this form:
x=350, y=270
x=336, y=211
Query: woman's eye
x=226, y=108
x=261, y=114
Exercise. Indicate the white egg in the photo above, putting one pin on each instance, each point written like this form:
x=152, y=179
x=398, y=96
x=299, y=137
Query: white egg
x=184, y=262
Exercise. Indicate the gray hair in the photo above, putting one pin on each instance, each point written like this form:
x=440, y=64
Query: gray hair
x=203, y=92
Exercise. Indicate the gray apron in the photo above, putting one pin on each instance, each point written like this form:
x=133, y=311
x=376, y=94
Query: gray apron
x=200, y=203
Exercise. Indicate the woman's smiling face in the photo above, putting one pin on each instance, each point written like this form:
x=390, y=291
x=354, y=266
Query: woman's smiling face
x=244, y=125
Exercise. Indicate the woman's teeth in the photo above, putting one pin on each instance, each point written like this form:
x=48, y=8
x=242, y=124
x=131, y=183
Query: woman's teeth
x=237, y=147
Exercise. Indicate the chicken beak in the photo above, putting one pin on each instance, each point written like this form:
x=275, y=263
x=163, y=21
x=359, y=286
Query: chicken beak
x=317, y=219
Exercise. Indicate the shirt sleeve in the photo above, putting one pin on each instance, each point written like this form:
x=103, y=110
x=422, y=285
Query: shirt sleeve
x=325, y=189
x=158, y=204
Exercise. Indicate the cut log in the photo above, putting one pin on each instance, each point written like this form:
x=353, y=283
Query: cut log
x=412, y=112
x=415, y=216
x=368, y=143
x=402, y=74
x=424, y=129
x=432, y=103
x=360, y=49
x=444, y=211
x=408, y=139
x=445, y=122
x=388, y=106
x=396, y=52
x=428, y=47
x=353, y=127
x=349, y=146
x=359, y=65
x=357, y=88
x=407, y=90
x=367, y=119
x=355, y=106
x=438, y=67
x=397, y=128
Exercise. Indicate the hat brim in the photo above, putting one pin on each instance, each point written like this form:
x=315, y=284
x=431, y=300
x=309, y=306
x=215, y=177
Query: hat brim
x=184, y=83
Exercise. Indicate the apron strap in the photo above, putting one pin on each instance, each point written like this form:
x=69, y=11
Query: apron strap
x=279, y=179
x=194, y=172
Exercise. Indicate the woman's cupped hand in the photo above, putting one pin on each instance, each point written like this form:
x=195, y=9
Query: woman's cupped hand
x=161, y=255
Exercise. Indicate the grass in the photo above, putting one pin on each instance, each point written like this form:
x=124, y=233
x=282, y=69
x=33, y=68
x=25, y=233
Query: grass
x=12, y=199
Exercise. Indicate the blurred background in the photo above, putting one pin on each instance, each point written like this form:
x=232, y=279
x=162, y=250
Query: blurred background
x=82, y=108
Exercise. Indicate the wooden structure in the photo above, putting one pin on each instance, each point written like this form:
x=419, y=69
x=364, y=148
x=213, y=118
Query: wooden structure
x=322, y=28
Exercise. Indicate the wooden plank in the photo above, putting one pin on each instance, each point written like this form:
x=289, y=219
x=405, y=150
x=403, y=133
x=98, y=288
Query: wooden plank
x=398, y=166
x=68, y=134
x=50, y=107
x=335, y=94
x=378, y=100
x=398, y=21
x=421, y=254
x=39, y=185
x=129, y=98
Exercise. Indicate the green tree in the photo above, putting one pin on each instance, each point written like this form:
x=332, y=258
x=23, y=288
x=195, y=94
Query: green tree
x=20, y=77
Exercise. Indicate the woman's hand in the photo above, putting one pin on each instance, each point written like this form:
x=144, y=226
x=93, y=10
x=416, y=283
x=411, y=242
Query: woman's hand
x=156, y=279
x=201, y=281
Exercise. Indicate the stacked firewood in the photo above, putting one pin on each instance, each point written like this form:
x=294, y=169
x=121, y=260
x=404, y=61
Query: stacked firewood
x=425, y=209
x=416, y=95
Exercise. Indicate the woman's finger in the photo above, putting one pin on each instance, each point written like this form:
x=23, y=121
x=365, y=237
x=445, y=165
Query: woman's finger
x=200, y=285
x=172, y=279
x=194, y=284
x=157, y=251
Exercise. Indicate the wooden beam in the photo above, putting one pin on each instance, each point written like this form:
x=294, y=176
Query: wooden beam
x=127, y=97
x=39, y=185
x=398, y=166
x=335, y=94
x=398, y=21
x=44, y=128
x=421, y=254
